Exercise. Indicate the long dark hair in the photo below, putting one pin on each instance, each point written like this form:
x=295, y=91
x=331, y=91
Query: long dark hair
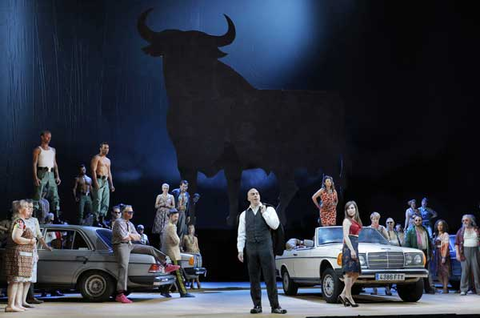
x=356, y=217
x=445, y=226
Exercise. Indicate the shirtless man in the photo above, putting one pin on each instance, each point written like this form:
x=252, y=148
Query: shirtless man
x=102, y=183
x=45, y=172
x=81, y=192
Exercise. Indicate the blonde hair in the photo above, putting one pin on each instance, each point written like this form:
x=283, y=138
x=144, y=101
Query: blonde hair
x=375, y=215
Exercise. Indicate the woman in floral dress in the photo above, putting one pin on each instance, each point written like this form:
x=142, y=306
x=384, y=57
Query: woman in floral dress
x=328, y=202
x=163, y=204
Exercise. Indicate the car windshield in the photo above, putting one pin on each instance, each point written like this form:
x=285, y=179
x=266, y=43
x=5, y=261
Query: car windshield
x=106, y=236
x=328, y=235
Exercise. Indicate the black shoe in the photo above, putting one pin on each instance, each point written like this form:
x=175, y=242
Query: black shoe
x=340, y=299
x=56, y=293
x=34, y=301
x=166, y=295
x=279, y=310
x=187, y=295
x=347, y=301
x=256, y=310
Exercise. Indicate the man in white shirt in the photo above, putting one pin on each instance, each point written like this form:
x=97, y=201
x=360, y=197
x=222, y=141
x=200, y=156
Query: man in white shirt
x=255, y=237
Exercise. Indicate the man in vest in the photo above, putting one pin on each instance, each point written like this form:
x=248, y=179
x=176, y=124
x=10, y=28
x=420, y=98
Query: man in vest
x=45, y=172
x=254, y=236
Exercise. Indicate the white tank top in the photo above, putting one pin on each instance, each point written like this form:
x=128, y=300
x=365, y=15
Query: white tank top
x=470, y=238
x=46, y=158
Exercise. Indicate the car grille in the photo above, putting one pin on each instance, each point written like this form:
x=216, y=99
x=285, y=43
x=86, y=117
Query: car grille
x=385, y=260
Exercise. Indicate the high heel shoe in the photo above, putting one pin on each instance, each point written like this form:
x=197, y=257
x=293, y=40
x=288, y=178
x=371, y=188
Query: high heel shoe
x=342, y=300
x=347, y=301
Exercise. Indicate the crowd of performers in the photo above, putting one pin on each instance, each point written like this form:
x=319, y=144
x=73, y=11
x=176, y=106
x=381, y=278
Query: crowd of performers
x=20, y=233
x=176, y=232
x=420, y=233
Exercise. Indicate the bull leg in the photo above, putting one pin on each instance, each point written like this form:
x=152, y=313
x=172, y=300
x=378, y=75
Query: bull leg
x=288, y=188
x=191, y=176
x=233, y=173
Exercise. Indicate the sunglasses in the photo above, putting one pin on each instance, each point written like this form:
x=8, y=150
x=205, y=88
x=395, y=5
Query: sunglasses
x=389, y=222
x=466, y=220
x=130, y=212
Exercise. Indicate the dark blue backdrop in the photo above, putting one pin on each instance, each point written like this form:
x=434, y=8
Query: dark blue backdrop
x=407, y=72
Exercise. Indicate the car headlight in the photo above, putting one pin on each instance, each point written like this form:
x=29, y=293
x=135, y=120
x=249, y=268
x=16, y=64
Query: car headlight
x=418, y=259
x=414, y=259
x=361, y=258
x=408, y=259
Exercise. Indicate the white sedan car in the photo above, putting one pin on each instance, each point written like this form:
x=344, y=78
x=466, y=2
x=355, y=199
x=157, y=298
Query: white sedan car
x=320, y=262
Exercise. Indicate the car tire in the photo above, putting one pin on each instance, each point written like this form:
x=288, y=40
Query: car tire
x=410, y=292
x=96, y=286
x=289, y=286
x=331, y=286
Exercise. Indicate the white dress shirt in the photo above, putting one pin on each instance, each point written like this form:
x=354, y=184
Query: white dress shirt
x=270, y=216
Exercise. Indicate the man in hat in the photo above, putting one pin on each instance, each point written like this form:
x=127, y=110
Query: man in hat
x=254, y=236
x=171, y=247
x=123, y=234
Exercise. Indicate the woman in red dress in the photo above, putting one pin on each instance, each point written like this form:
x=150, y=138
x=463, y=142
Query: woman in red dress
x=328, y=202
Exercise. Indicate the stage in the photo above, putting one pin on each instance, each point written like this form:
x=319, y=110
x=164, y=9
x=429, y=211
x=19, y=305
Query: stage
x=233, y=300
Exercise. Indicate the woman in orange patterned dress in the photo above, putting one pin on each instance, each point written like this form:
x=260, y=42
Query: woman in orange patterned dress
x=328, y=202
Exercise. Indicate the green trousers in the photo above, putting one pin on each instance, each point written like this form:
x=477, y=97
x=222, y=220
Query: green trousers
x=47, y=179
x=101, y=198
x=84, y=205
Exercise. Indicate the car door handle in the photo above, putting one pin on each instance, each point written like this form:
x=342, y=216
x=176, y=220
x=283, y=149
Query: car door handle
x=82, y=258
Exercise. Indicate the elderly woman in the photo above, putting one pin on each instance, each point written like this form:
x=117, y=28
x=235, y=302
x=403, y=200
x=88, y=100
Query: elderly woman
x=19, y=257
x=466, y=247
x=190, y=245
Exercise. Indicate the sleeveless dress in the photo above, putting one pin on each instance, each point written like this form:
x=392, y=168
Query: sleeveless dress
x=19, y=257
x=442, y=248
x=161, y=217
x=350, y=265
x=328, y=209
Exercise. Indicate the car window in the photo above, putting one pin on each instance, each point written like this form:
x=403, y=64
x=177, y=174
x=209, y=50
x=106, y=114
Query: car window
x=106, y=236
x=328, y=235
x=65, y=240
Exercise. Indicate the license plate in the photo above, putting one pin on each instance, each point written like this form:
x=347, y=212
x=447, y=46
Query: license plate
x=388, y=277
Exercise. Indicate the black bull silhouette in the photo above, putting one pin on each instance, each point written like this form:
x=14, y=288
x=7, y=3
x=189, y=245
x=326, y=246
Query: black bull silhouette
x=217, y=120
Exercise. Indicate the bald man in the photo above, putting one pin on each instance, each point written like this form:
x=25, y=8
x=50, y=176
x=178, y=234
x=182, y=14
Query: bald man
x=255, y=237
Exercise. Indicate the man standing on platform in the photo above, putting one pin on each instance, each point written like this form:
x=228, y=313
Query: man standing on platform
x=45, y=172
x=83, y=184
x=102, y=183
x=182, y=199
x=171, y=247
x=255, y=237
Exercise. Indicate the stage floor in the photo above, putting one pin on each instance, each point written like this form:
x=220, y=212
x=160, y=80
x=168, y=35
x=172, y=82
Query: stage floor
x=233, y=300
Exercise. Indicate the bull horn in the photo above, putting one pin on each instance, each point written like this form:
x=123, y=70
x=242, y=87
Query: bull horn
x=228, y=37
x=145, y=32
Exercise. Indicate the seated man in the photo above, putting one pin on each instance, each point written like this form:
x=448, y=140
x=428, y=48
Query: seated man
x=123, y=234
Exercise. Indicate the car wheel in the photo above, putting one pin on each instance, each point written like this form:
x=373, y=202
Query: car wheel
x=96, y=286
x=289, y=286
x=410, y=292
x=331, y=286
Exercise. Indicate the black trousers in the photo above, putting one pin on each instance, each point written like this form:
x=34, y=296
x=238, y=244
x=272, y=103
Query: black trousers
x=260, y=259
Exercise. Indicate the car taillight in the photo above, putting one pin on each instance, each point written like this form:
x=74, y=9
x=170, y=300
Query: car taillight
x=191, y=261
x=156, y=268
